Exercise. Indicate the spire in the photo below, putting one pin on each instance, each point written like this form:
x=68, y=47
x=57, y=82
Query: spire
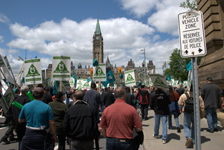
x=97, y=31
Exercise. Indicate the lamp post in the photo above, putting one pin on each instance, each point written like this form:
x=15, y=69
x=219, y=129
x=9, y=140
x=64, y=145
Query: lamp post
x=19, y=58
x=144, y=66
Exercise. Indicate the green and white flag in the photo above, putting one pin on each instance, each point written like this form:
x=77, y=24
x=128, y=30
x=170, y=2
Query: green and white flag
x=72, y=82
x=61, y=68
x=1, y=62
x=99, y=72
x=32, y=71
x=6, y=75
x=185, y=83
x=159, y=81
x=175, y=84
x=9, y=67
x=189, y=79
x=150, y=82
x=129, y=78
x=81, y=83
x=141, y=75
x=7, y=99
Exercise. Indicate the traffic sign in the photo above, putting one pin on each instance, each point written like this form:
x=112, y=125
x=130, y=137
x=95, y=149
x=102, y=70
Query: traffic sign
x=191, y=34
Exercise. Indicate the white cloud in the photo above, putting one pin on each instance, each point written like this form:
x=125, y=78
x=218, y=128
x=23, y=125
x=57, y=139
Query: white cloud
x=1, y=39
x=165, y=20
x=155, y=37
x=123, y=40
x=138, y=7
x=4, y=19
x=164, y=13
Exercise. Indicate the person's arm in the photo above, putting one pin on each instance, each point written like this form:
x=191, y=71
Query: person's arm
x=202, y=107
x=21, y=120
x=103, y=131
x=138, y=129
x=53, y=130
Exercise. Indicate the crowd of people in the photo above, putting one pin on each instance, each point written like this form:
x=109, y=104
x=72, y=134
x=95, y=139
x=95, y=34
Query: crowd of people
x=75, y=118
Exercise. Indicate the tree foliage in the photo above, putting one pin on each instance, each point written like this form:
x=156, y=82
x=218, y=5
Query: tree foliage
x=177, y=64
x=192, y=5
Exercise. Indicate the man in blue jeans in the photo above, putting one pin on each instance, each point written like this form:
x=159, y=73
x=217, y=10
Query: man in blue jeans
x=210, y=93
x=160, y=104
x=189, y=116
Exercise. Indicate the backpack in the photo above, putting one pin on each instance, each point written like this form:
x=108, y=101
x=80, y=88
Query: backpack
x=189, y=104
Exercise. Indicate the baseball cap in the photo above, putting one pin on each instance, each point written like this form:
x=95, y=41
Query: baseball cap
x=209, y=79
x=58, y=94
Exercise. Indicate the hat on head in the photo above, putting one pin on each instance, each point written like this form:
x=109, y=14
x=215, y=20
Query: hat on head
x=85, y=89
x=209, y=79
x=58, y=94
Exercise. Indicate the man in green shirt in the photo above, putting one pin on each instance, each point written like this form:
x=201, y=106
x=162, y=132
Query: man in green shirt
x=59, y=109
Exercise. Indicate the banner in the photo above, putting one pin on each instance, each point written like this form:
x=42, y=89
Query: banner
x=140, y=75
x=81, y=83
x=61, y=68
x=99, y=72
x=72, y=82
x=159, y=81
x=7, y=99
x=32, y=71
x=1, y=62
x=129, y=78
x=189, y=79
x=9, y=67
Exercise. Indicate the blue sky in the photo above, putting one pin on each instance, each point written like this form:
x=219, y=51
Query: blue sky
x=51, y=27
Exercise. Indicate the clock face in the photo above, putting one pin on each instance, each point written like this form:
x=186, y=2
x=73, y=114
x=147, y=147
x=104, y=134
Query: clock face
x=97, y=37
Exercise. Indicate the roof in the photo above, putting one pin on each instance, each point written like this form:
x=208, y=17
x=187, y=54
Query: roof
x=97, y=31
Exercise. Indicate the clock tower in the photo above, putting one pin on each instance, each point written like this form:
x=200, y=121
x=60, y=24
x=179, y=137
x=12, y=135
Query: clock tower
x=98, y=44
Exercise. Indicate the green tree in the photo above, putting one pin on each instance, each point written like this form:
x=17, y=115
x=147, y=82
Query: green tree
x=192, y=5
x=177, y=65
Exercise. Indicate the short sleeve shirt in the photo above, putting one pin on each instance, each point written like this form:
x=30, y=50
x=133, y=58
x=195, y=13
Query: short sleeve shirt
x=37, y=114
x=119, y=119
x=211, y=93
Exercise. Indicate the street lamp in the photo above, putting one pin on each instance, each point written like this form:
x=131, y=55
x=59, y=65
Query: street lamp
x=144, y=66
x=19, y=58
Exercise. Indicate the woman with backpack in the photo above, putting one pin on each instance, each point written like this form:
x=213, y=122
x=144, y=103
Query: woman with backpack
x=174, y=108
x=186, y=100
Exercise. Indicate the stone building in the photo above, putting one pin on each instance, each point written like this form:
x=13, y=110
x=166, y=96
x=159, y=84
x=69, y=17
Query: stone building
x=212, y=64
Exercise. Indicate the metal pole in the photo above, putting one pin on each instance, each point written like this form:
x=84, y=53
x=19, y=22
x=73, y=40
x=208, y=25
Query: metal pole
x=196, y=105
x=145, y=67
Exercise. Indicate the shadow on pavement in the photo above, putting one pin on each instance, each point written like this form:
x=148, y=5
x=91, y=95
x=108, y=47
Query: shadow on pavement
x=172, y=136
x=145, y=125
x=204, y=139
x=150, y=117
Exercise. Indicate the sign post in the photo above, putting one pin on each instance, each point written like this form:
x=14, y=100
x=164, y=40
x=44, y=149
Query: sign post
x=193, y=44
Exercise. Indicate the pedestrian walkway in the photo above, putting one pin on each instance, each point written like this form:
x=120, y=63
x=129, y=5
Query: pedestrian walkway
x=176, y=141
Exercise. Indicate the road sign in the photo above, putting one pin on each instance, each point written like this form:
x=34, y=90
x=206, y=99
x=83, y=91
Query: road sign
x=191, y=34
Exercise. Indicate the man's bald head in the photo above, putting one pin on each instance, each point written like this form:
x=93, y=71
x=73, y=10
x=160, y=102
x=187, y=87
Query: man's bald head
x=120, y=93
x=78, y=95
x=38, y=93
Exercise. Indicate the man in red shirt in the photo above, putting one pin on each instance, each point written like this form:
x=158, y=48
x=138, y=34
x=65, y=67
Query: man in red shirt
x=144, y=100
x=117, y=123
